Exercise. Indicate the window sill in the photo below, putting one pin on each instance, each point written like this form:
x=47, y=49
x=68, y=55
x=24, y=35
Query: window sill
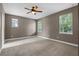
x=65, y=33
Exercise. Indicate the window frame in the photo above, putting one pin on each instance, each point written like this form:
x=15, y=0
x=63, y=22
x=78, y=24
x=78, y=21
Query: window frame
x=14, y=26
x=72, y=24
x=38, y=26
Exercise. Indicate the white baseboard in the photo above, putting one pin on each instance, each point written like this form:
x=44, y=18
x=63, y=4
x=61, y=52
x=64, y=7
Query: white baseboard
x=72, y=44
x=18, y=38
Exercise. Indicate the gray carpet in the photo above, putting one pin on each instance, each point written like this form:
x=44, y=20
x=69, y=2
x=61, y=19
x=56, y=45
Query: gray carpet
x=41, y=48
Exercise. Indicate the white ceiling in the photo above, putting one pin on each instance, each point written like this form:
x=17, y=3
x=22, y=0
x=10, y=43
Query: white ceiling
x=47, y=8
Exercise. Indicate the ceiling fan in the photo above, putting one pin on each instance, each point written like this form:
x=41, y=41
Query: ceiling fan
x=33, y=10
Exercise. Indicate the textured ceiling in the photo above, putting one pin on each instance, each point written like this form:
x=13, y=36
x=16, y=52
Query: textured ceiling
x=47, y=8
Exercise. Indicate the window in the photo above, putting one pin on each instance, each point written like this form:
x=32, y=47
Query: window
x=65, y=23
x=14, y=23
x=40, y=28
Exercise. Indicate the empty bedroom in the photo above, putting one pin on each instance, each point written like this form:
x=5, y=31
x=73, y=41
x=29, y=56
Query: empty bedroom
x=39, y=29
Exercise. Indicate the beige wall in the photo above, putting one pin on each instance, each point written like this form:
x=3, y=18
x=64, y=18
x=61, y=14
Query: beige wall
x=26, y=27
x=51, y=26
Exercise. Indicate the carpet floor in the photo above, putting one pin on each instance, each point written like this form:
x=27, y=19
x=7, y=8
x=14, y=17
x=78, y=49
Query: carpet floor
x=41, y=47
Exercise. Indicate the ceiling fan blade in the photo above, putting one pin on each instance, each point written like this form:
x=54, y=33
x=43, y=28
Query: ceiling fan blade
x=27, y=8
x=28, y=12
x=38, y=11
x=36, y=6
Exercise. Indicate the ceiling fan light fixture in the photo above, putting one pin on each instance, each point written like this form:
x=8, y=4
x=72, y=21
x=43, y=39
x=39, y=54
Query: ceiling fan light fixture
x=33, y=12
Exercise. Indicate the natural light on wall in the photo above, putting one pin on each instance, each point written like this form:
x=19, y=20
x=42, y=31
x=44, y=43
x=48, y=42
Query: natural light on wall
x=66, y=24
x=14, y=23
